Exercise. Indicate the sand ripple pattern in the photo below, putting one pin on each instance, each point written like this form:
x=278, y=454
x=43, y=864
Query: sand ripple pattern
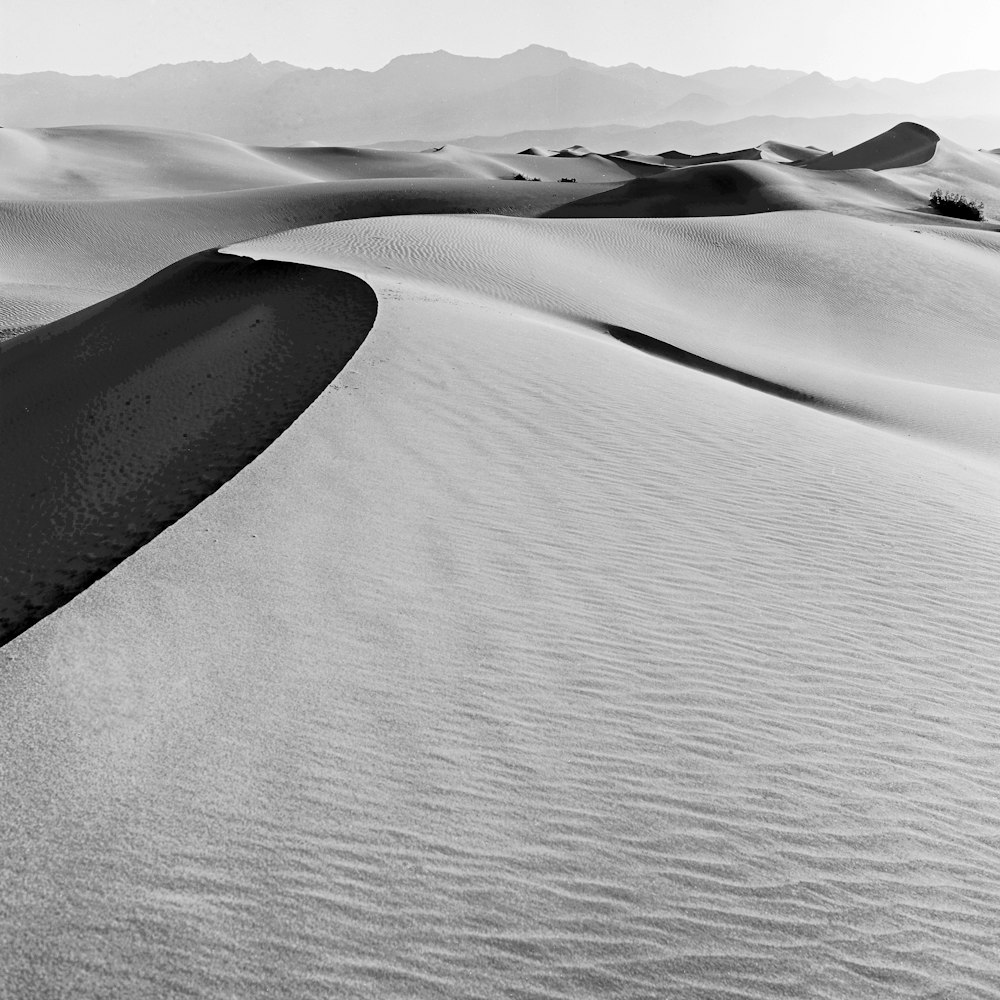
x=529, y=664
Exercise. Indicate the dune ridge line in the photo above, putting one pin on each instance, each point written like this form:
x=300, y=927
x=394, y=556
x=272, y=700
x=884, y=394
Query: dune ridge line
x=122, y=418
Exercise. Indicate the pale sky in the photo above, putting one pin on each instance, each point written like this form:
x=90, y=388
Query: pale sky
x=912, y=39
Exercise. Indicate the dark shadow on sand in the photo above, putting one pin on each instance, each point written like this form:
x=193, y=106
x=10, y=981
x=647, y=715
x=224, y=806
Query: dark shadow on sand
x=116, y=421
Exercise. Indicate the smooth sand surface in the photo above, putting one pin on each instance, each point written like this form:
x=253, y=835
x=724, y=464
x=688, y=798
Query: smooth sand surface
x=620, y=620
x=88, y=212
x=90, y=162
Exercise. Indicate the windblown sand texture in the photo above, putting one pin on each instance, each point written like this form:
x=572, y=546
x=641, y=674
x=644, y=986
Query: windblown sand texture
x=551, y=589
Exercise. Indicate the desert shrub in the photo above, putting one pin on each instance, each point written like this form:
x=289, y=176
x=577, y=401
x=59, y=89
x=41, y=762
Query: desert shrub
x=956, y=205
x=567, y=180
x=521, y=177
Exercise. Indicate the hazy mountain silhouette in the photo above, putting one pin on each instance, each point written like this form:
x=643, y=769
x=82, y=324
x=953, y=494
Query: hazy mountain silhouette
x=698, y=108
x=738, y=84
x=816, y=94
x=439, y=96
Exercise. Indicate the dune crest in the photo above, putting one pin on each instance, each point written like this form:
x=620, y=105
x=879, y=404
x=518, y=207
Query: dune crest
x=754, y=298
x=121, y=418
x=786, y=152
x=741, y=185
x=906, y=145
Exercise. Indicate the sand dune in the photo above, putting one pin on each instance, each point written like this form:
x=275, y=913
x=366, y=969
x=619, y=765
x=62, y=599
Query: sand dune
x=685, y=284
x=57, y=256
x=906, y=145
x=123, y=417
x=956, y=168
x=86, y=213
x=786, y=152
x=95, y=163
x=742, y=186
x=556, y=589
x=89, y=212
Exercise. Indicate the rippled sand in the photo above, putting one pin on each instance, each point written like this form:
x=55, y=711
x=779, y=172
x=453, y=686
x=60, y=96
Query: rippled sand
x=550, y=650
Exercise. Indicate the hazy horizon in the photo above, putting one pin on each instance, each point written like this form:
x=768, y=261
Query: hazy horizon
x=402, y=55
x=896, y=39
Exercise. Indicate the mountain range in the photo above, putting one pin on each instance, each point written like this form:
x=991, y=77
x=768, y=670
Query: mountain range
x=439, y=96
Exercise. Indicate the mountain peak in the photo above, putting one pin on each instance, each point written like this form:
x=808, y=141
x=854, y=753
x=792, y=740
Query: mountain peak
x=539, y=53
x=536, y=48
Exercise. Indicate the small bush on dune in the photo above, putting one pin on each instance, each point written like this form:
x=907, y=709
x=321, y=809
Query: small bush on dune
x=521, y=177
x=957, y=206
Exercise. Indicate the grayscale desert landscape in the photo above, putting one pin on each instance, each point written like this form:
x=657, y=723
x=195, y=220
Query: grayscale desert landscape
x=499, y=527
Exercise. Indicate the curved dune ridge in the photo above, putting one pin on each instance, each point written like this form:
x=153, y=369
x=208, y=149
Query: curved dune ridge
x=58, y=256
x=123, y=417
x=906, y=145
x=843, y=310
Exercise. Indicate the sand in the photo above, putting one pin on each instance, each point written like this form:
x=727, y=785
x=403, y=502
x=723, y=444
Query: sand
x=89, y=212
x=612, y=611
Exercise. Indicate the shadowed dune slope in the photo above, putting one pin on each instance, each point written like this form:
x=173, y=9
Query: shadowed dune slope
x=744, y=186
x=671, y=159
x=906, y=145
x=920, y=160
x=119, y=419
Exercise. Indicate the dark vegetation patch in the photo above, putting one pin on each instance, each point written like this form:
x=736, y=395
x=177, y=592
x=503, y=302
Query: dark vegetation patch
x=956, y=205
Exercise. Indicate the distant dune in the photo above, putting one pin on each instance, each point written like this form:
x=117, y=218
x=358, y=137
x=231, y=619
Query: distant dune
x=906, y=145
x=827, y=132
x=89, y=212
x=462, y=573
